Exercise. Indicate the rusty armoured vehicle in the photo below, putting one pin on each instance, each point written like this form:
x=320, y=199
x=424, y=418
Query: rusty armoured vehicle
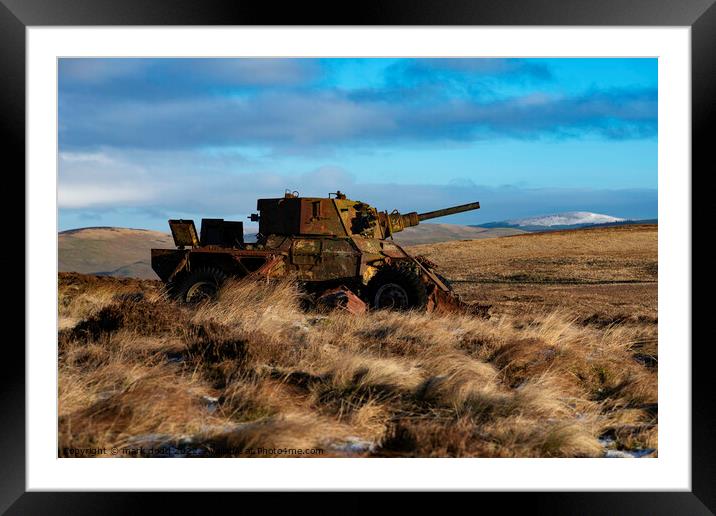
x=328, y=244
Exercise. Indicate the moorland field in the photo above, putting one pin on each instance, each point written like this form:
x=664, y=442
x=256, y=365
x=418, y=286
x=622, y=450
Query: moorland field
x=566, y=366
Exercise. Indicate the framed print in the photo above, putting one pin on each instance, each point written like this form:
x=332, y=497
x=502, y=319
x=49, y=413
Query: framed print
x=434, y=248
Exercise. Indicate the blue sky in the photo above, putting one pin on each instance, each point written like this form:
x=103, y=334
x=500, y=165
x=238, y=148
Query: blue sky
x=144, y=140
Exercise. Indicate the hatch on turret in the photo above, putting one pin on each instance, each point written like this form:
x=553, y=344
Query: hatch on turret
x=184, y=233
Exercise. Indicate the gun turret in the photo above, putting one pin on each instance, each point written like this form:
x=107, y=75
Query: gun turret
x=395, y=221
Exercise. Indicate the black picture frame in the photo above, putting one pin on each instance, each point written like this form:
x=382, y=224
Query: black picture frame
x=17, y=15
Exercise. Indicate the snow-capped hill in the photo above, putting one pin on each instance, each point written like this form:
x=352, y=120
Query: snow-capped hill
x=564, y=220
x=570, y=218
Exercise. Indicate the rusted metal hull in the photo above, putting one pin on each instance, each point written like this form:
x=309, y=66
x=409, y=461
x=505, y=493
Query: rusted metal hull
x=315, y=262
x=449, y=302
x=341, y=298
x=340, y=249
x=171, y=263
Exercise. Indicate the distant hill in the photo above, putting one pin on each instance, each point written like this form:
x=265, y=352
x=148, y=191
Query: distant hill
x=432, y=233
x=566, y=220
x=124, y=252
x=110, y=251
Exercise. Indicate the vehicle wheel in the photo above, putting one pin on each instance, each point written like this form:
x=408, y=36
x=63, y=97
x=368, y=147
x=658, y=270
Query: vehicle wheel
x=397, y=289
x=200, y=285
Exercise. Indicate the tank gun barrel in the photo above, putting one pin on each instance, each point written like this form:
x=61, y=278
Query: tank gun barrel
x=449, y=211
x=395, y=221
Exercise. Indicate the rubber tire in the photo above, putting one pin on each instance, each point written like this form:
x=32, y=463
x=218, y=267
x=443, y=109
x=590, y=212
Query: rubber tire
x=408, y=280
x=202, y=274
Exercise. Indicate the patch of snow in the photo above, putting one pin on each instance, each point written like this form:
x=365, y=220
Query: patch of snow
x=607, y=441
x=611, y=452
x=618, y=454
x=566, y=219
x=628, y=454
x=353, y=445
x=641, y=453
x=211, y=403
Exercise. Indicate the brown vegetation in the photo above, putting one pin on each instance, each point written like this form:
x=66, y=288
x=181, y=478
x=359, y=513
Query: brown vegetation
x=253, y=370
x=602, y=276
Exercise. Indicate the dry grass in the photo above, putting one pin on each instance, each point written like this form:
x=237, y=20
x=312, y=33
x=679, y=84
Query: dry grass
x=601, y=277
x=567, y=363
x=254, y=371
x=611, y=254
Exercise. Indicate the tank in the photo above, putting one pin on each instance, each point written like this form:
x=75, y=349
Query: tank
x=325, y=243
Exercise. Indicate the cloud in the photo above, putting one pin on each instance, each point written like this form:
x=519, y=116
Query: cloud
x=209, y=183
x=441, y=79
x=93, y=72
x=136, y=78
x=469, y=69
x=100, y=195
x=97, y=180
x=165, y=137
x=278, y=120
x=162, y=186
x=185, y=103
x=621, y=114
x=334, y=118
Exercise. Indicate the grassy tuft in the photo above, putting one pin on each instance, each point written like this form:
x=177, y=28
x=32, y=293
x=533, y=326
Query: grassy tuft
x=252, y=370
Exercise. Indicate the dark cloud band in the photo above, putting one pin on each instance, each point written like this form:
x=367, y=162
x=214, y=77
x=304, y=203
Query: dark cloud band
x=190, y=103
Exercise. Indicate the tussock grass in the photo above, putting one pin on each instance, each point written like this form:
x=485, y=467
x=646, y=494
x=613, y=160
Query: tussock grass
x=252, y=370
